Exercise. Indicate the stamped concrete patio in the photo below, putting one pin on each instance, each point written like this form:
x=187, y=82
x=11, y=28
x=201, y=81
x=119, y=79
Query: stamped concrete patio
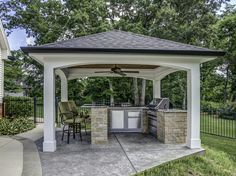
x=125, y=154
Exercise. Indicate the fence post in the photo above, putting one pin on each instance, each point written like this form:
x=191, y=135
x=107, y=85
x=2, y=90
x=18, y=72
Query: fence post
x=3, y=107
x=35, y=109
x=235, y=126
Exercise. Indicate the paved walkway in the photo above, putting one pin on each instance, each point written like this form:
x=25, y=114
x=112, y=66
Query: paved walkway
x=33, y=134
x=19, y=155
x=125, y=154
x=31, y=159
x=11, y=157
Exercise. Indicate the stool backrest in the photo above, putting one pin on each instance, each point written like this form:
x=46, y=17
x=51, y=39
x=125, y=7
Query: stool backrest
x=65, y=111
x=73, y=107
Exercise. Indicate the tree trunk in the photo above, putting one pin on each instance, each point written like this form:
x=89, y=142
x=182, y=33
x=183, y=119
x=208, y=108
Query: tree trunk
x=226, y=84
x=184, y=101
x=183, y=89
x=143, y=92
x=111, y=95
x=135, y=87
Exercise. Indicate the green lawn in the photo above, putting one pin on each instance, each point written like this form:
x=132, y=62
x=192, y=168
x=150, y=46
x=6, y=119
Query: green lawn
x=214, y=125
x=220, y=159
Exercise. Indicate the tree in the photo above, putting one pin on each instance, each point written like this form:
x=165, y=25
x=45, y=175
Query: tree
x=135, y=91
x=174, y=86
x=33, y=76
x=111, y=92
x=14, y=74
x=226, y=33
x=182, y=21
x=193, y=22
x=97, y=89
x=143, y=92
x=50, y=21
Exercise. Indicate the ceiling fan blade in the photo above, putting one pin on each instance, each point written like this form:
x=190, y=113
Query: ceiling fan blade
x=130, y=71
x=103, y=72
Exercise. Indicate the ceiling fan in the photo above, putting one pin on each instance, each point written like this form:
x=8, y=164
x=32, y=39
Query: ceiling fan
x=117, y=70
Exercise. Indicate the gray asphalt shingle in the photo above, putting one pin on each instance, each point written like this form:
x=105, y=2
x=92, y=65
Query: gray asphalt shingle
x=120, y=40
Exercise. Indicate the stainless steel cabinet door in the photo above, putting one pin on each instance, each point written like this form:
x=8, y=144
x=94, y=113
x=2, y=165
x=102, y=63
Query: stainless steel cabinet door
x=117, y=120
x=133, y=119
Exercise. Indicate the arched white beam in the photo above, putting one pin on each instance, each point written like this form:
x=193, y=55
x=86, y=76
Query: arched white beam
x=88, y=76
x=157, y=81
x=64, y=84
x=74, y=73
x=83, y=75
x=149, y=74
x=164, y=72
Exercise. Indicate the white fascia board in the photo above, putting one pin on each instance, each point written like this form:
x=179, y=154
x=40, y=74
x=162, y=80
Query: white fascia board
x=4, y=43
x=207, y=59
x=64, y=60
x=37, y=58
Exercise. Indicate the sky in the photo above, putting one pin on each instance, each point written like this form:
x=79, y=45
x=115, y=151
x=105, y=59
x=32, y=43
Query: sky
x=18, y=37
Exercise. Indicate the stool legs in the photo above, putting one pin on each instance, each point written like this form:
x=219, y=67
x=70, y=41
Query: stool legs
x=75, y=128
x=80, y=132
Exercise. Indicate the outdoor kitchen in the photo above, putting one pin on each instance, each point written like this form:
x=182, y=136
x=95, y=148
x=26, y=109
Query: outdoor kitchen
x=167, y=125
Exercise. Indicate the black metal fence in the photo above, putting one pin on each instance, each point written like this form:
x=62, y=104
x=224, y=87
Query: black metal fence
x=221, y=123
x=38, y=110
x=24, y=107
x=30, y=107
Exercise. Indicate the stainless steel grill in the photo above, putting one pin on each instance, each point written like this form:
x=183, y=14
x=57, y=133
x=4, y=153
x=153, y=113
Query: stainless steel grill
x=154, y=106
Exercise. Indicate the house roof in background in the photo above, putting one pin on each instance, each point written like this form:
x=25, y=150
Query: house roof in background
x=120, y=41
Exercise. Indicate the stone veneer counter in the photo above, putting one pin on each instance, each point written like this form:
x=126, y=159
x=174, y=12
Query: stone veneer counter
x=99, y=124
x=172, y=126
x=171, y=123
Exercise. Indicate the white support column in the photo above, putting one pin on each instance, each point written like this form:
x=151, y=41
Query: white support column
x=193, y=119
x=1, y=80
x=49, y=144
x=64, y=85
x=156, y=88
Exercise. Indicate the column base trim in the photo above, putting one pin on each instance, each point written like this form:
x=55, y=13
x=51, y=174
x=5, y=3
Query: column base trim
x=194, y=143
x=49, y=146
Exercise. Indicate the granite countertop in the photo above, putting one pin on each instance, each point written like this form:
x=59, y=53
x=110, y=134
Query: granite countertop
x=127, y=107
x=171, y=110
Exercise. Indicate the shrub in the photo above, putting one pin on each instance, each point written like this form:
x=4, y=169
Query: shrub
x=228, y=113
x=15, y=126
x=211, y=106
x=18, y=107
x=225, y=111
